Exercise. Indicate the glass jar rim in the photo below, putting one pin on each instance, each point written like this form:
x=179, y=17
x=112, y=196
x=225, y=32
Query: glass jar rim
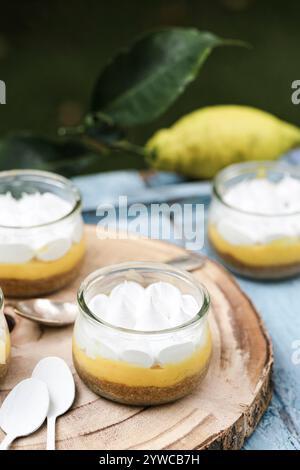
x=248, y=167
x=54, y=177
x=140, y=265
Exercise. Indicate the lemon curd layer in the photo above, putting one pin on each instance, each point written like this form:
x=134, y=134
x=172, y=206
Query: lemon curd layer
x=4, y=350
x=282, y=251
x=135, y=376
x=36, y=270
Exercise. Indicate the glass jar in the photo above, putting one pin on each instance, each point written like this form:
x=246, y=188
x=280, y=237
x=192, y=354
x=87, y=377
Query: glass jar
x=41, y=258
x=104, y=355
x=4, y=340
x=256, y=244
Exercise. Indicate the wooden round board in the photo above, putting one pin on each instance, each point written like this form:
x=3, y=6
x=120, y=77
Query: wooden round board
x=219, y=415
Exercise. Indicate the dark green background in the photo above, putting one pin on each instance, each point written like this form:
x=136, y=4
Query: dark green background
x=52, y=51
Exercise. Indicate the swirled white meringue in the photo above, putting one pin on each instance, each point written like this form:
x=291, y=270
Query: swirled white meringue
x=33, y=227
x=267, y=210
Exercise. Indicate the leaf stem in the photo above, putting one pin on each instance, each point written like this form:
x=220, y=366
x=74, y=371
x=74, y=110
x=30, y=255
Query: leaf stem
x=124, y=145
x=119, y=146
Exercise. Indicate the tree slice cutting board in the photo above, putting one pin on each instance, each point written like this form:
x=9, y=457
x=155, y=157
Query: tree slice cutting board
x=219, y=415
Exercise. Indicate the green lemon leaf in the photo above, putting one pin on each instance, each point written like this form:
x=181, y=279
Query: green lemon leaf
x=37, y=152
x=141, y=82
x=67, y=157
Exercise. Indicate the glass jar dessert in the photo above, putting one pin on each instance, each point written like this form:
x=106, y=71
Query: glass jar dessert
x=41, y=232
x=142, y=335
x=4, y=341
x=254, y=219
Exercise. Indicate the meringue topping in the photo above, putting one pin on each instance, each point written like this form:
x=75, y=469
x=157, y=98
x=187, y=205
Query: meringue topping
x=32, y=213
x=157, y=307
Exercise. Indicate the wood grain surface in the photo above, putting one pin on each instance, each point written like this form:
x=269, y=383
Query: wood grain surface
x=219, y=415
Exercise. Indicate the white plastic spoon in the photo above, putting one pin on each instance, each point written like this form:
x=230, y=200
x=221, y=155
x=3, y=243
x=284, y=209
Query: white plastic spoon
x=24, y=410
x=59, y=380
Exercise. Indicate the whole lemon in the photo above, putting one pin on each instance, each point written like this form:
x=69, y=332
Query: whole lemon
x=206, y=140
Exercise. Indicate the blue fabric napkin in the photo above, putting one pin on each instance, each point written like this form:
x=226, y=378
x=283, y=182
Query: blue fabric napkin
x=105, y=188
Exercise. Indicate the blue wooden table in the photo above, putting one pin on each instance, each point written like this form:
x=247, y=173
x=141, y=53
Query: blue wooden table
x=277, y=302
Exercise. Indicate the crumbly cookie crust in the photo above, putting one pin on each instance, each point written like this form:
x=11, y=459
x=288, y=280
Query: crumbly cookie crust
x=140, y=396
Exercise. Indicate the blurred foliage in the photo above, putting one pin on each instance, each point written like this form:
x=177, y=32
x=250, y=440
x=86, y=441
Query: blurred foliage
x=138, y=84
x=52, y=51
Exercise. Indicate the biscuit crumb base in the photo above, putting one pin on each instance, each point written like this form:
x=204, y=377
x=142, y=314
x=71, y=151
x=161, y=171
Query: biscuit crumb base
x=25, y=288
x=140, y=396
x=3, y=370
x=279, y=271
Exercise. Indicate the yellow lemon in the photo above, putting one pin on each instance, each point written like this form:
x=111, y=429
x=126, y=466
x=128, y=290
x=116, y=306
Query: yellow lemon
x=206, y=140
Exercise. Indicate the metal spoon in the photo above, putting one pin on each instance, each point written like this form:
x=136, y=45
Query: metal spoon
x=54, y=313
x=24, y=410
x=45, y=311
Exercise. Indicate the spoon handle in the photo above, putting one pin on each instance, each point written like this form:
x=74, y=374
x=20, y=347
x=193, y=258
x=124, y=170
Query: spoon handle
x=51, y=432
x=7, y=441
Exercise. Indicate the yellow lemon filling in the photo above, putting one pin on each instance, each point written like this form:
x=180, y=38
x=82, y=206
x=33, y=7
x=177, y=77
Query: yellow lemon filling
x=282, y=251
x=35, y=270
x=132, y=375
x=4, y=349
